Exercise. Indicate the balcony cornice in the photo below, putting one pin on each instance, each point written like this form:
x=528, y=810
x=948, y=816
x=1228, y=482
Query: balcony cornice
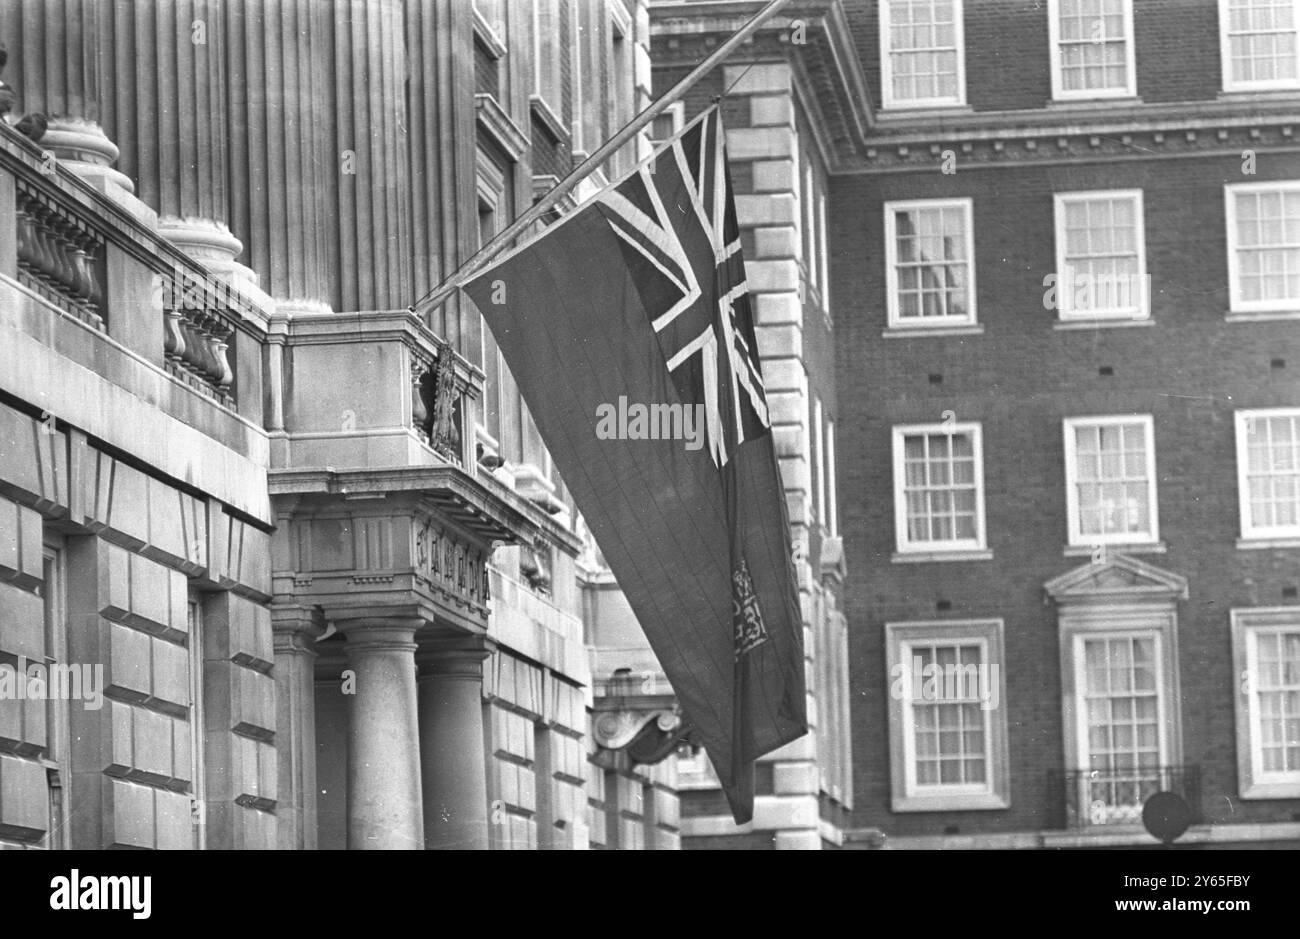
x=491, y=515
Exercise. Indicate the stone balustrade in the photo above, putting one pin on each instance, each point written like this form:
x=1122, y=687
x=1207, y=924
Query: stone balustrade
x=198, y=332
x=101, y=259
x=60, y=256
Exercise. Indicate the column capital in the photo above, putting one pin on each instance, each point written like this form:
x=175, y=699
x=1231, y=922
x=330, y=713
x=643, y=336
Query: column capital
x=380, y=633
x=296, y=628
x=454, y=658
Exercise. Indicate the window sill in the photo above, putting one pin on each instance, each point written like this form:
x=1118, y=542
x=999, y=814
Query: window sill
x=1261, y=95
x=1070, y=325
x=1137, y=547
x=1265, y=544
x=927, y=557
x=949, y=803
x=906, y=112
x=1084, y=103
x=916, y=332
x=486, y=33
x=1273, y=790
x=1263, y=316
x=545, y=115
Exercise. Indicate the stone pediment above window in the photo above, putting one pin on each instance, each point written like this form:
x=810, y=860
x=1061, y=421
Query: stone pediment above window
x=1117, y=578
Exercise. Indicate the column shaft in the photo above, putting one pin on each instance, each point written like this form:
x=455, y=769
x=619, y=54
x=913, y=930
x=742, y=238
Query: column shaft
x=384, y=796
x=452, y=756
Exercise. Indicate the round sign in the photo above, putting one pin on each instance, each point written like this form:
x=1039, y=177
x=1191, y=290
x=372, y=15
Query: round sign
x=1166, y=816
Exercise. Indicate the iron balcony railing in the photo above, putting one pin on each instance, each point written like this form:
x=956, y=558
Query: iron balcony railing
x=1116, y=795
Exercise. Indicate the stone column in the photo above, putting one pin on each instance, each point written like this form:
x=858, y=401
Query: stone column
x=296, y=630
x=373, y=223
x=55, y=65
x=284, y=164
x=384, y=796
x=172, y=128
x=453, y=757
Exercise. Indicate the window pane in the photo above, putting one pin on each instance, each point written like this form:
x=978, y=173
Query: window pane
x=948, y=723
x=930, y=262
x=1272, y=472
x=939, y=489
x=923, y=50
x=1112, y=488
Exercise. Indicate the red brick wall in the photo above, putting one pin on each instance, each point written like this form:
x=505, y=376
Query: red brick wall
x=1190, y=370
x=1008, y=60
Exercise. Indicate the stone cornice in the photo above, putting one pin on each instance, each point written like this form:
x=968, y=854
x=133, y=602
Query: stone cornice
x=494, y=516
x=1084, y=134
x=833, y=83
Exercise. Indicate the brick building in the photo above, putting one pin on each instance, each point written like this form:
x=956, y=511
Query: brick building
x=1046, y=337
x=1068, y=328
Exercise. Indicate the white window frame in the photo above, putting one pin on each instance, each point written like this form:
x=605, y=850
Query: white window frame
x=1247, y=625
x=824, y=252
x=546, y=56
x=819, y=455
x=887, y=99
x=58, y=734
x=1230, y=82
x=954, y=546
x=833, y=526
x=1249, y=531
x=1065, y=310
x=1059, y=92
x=1290, y=306
x=906, y=794
x=1163, y=686
x=621, y=46
x=896, y=320
x=1076, y=537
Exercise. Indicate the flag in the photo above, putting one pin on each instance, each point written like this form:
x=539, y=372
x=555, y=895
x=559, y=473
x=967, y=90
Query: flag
x=629, y=329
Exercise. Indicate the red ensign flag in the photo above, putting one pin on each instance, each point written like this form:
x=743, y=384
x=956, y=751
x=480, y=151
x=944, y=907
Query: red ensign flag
x=629, y=329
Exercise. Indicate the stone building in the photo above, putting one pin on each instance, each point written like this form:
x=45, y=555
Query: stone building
x=793, y=101
x=315, y=544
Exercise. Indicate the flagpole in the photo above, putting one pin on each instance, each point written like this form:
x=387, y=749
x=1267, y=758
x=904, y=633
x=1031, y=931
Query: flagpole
x=484, y=256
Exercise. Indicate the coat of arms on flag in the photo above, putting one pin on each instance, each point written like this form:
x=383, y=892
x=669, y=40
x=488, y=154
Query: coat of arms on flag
x=640, y=294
